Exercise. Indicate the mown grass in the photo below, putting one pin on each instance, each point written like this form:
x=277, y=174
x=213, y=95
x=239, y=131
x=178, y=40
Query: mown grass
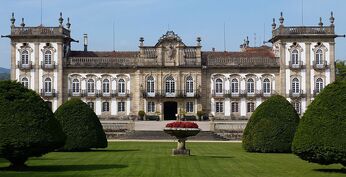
x=153, y=159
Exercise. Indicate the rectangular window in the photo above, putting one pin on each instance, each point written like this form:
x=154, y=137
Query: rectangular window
x=121, y=106
x=234, y=107
x=219, y=107
x=151, y=106
x=250, y=107
x=91, y=105
x=189, y=106
x=105, y=106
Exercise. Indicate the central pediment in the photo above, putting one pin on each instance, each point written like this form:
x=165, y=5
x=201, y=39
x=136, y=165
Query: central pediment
x=170, y=38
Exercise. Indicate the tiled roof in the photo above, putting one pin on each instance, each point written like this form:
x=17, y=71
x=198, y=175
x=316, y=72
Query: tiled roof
x=111, y=54
x=250, y=52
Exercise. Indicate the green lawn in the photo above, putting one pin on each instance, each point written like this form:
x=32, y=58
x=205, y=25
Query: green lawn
x=153, y=159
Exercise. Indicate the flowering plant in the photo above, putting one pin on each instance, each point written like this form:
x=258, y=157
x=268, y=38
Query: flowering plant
x=182, y=125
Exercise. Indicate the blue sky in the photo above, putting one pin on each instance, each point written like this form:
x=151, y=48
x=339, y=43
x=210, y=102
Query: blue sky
x=188, y=18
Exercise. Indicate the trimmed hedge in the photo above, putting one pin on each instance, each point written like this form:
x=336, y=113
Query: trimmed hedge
x=81, y=125
x=27, y=125
x=271, y=127
x=321, y=134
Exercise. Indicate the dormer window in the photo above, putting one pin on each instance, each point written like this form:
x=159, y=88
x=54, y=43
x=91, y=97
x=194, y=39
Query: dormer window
x=48, y=57
x=25, y=57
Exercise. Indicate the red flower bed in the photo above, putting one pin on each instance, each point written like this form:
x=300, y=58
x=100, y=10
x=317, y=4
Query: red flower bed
x=182, y=125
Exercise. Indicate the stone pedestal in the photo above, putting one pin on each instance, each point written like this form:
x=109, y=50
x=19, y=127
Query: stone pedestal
x=181, y=152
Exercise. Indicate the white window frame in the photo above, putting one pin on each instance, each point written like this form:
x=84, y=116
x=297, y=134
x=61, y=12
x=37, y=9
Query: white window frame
x=250, y=107
x=24, y=57
x=106, y=86
x=189, y=107
x=218, y=86
x=234, y=86
x=234, y=107
x=170, y=86
x=121, y=106
x=219, y=107
x=151, y=106
x=266, y=86
x=91, y=86
x=295, y=86
x=121, y=86
x=75, y=86
x=48, y=85
x=105, y=106
x=295, y=57
x=319, y=85
x=48, y=57
x=25, y=82
x=250, y=85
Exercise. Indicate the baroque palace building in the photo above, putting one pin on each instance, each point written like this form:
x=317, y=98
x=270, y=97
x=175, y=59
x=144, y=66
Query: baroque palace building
x=171, y=77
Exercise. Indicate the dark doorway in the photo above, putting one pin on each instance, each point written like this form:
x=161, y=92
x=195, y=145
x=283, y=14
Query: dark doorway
x=169, y=110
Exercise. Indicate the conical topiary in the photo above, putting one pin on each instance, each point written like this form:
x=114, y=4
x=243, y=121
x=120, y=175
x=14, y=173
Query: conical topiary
x=271, y=127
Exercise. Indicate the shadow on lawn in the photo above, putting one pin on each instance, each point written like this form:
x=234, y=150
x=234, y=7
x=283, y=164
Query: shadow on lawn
x=332, y=170
x=215, y=156
x=113, y=150
x=64, y=168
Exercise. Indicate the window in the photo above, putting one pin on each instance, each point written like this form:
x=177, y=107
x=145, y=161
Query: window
x=266, y=85
x=91, y=86
x=170, y=85
x=91, y=105
x=319, y=85
x=219, y=107
x=150, y=85
x=250, y=107
x=297, y=106
x=25, y=82
x=121, y=86
x=105, y=86
x=234, y=107
x=48, y=57
x=121, y=106
x=50, y=105
x=319, y=55
x=189, y=84
x=151, y=106
x=189, y=106
x=295, y=86
x=25, y=57
x=294, y=57
x=75, y=86
x=48, y=85
x=250, y=86
x=105, y=106
x=218, y=86
x=234, y=86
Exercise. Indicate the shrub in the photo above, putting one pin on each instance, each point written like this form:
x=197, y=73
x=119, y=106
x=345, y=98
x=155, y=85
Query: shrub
x=141, y=114
x=271, y=127
x=27, y=125
x=321, y=134
x=81, y=125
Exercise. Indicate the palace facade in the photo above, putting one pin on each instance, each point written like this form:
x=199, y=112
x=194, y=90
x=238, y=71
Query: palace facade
x=170, y=77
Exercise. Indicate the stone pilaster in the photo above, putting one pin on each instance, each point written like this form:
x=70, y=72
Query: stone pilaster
x=13, y=61
x=332, y=61
x=283, y=69
x=308, y=72
x=37, y=67
x=60, y=74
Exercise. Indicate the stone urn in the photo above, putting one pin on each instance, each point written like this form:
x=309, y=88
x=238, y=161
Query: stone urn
x=181, y=130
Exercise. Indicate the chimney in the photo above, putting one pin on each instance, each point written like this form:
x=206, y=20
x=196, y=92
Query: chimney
x=85, y=42
x=213, y=49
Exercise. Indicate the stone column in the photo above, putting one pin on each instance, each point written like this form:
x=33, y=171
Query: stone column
x=37, y=67
x=308, y=73
x=13, y=61
x=332, y=61
x=283, y=69
x=60, y=75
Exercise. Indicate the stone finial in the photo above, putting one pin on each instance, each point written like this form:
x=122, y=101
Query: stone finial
x=331, y=19
x=12, y=20
x=22, y=24
x=61, y=20
x=247, y=41
x=320, y=23
x=198, y=41
x=141, y=41
x=281, y=19
x=274, y=24
x=68, y=24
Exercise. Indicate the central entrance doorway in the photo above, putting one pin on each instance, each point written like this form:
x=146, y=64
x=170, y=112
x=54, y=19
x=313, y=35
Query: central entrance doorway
x=169, y=110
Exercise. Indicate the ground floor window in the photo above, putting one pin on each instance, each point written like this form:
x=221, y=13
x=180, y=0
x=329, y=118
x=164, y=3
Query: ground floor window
x=151, y=106
x=250, y=107
x=234, y=107
x=105, y=106
x=189, y=106
x=219, y=107
x=91, y=105
x=297, y=106
x=121, y=106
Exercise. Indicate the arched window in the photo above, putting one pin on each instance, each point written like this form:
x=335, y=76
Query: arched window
x=294, y=57
x=25, y=57
x=150, y=84
x=75, y=86
x=218, y=86
x=105, y=86
x=266, y=86
x=121, y=86
x=234, y=107
x=319, y=85
x=170, y=85
x=250, y=107
x=91, y=86
x=295, y=86
x=234, y=86
x=250, y=86
x=189, y=84
x=25, y=82
x=48, y=85
x=319, y=57
x=48, y=57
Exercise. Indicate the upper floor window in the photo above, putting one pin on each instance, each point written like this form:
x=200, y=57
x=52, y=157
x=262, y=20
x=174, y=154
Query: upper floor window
x=91, y=86
x=25, y=57
x=266, y=85
x=150, y=84
x=189, y=84
x=295, y=85
x=234, y=86
x=25, y=82
x=250, y=86
x=319, y=85
x=105, y=86
x=319, y=57
x=121, y=86
x=48, y=57
x=219, y=107
x=189, y=106
x=151, y=106
x=75, y=86
x=170, y=85
x=235, y=107
x=250, y=107
x=48, y=85
x=295, y=57
x=218, y=86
